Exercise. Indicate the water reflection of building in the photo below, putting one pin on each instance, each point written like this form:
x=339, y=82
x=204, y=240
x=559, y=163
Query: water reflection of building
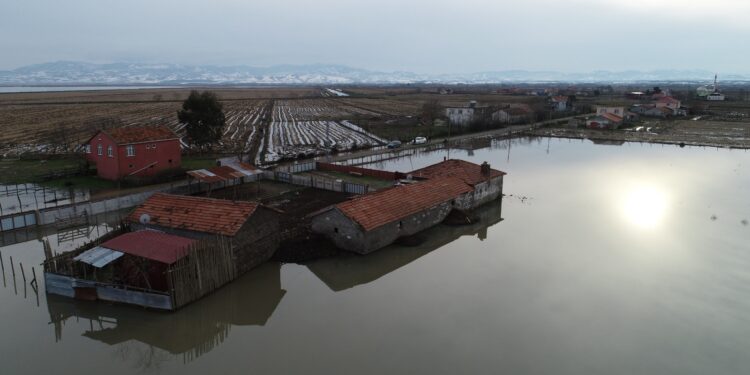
x=191, y=331
x=346, y=272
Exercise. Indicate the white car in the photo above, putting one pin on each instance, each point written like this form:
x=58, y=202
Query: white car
x=419, y=141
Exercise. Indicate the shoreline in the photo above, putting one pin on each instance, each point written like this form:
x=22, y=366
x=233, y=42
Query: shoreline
x=632, y=137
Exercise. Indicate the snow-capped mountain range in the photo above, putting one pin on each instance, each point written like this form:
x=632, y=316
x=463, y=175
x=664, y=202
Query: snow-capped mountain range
x=80, y=73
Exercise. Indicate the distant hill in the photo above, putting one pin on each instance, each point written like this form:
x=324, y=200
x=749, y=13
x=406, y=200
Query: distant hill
x=80, y=73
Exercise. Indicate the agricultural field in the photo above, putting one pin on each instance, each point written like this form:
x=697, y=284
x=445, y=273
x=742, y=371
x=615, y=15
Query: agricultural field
x=301, y=128
x=265, y=124
x=56, y=129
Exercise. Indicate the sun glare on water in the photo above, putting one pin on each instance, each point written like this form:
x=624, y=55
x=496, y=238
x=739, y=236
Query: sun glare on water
x=645, y=207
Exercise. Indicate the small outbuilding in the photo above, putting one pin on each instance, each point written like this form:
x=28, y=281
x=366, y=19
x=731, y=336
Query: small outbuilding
x=172, y=250
x=251, y=227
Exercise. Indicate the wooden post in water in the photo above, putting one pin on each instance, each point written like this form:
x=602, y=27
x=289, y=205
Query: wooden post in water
x=34, y=283
x=12, y=268
x=1, y=263
x=23, y=274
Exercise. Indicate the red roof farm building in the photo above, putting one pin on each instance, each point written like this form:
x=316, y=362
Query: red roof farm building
x=133, y=151
x=171, y=251
x=251, y=227
x=372, y=221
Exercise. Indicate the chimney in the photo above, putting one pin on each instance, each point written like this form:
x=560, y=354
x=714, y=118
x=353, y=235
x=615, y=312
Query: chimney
x=485, y=169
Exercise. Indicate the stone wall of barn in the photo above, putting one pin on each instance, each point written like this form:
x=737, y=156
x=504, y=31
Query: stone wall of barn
x=257, y=240
x=253, y=244
x=483, y=193
x=348, y=235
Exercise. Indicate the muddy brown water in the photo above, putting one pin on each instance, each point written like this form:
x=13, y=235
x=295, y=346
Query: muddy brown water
x=601, y=259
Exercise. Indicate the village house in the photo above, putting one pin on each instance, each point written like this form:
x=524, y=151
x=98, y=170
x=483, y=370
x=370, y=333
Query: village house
x=561, y=103
x=605, y=121
x=370, y=222
x=668, y=102
x=610, y=117
x=651, y=110
x=618, y=111
x=133, y=151
x=466, y=115
x=512, y=115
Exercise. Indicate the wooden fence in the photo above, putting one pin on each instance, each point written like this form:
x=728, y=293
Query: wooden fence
x=296, y=168
x=209, y=265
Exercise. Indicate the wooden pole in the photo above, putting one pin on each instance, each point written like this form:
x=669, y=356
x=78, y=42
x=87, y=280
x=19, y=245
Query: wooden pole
x=34, y=283
x=2, y=265
x=12, y=268
x=23, y=274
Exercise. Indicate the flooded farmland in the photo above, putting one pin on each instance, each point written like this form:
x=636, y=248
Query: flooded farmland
x=616, y=259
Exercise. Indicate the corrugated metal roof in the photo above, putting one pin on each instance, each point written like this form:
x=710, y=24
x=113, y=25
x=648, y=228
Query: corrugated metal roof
x=150, y=244
x=98, y=256
x=208, y=215
x=224, y=172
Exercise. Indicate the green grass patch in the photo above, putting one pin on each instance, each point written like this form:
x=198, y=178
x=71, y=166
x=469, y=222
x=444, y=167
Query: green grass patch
x=190, y=163
x=32, y=171
x=90, y=182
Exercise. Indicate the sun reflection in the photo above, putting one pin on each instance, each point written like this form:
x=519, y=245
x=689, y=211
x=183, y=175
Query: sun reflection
x=645, y=206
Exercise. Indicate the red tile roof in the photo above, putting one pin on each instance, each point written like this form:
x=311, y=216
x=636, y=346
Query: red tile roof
x=469, y=172
x=216, y=216
x=136, y=134
x=612, y=117
x=668, y=99
x=149, y=244
x=386, y=206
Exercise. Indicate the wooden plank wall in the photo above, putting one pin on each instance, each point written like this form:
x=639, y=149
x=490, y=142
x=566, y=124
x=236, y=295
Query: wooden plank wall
x=209, y=265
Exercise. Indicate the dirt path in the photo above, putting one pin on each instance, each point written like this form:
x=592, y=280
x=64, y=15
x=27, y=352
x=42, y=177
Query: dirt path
x=265, y=121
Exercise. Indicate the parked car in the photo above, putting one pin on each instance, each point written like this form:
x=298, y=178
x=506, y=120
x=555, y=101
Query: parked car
x=419, y=141
x=394, y=144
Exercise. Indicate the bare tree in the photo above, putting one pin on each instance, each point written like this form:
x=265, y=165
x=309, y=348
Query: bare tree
x=431, y=111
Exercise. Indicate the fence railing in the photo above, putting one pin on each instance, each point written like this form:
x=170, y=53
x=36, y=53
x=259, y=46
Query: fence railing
x=296, y=168
x=317, y=182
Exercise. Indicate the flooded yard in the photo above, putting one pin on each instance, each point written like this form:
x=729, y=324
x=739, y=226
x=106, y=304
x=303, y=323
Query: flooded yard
x=601, y=259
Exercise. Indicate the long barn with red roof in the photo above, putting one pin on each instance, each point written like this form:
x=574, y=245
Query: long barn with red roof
x=370, y=222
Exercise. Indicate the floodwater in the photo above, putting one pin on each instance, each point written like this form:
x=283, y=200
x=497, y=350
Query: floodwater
x=17, y=198
x=601, y=259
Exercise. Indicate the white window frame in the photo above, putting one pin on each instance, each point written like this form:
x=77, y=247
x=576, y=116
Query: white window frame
x=99, y=150
x=88, y=148
x=130, y=150
x=109, y=151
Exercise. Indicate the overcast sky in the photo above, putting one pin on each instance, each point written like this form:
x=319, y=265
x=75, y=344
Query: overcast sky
x=423, y=36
